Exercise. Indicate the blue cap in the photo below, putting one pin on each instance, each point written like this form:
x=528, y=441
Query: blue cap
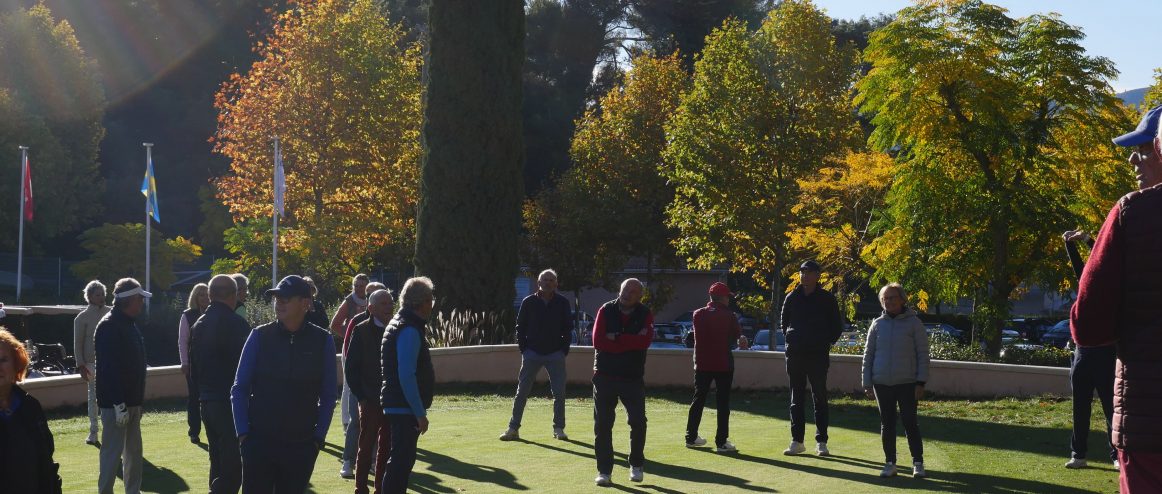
x=1147, y=129
x=291, y=286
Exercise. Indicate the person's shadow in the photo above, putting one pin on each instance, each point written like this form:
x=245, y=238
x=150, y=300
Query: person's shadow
x=161, y=479
x=448, y=466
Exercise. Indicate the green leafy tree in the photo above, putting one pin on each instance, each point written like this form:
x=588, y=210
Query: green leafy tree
x=666, y=26
x=336, y=82
x=51, y=100
x=767, y=109
x=118, y=251
x=979, y=108
x=467, y=235
x=1153, y=96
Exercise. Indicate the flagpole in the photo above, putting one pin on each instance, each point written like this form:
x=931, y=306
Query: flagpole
x=148, y=164
x=20, y=242
x=274, y=215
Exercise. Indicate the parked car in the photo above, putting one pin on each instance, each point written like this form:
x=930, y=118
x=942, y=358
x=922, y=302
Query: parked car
x=762, y=341
x=666, y=344
x=943, y=329
x=751, y=326
x=668, y=331
x=1058, y=335
x=1030, y=329
x=582, y=328
x=685, y=321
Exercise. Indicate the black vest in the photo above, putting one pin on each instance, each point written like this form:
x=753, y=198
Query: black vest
x=288, y=379
x=625, y=365
x=391, y=394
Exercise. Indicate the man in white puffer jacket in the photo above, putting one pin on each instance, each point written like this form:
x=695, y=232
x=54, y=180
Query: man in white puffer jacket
x=895, y=369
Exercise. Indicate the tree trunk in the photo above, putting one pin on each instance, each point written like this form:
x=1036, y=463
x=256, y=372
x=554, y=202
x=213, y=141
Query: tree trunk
x=471, y=189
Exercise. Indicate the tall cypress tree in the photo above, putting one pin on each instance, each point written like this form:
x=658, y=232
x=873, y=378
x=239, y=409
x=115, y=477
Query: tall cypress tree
x=471, y=186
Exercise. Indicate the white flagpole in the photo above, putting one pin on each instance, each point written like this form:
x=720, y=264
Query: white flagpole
x=148, y=163
x=20, y=242
x=274, y=198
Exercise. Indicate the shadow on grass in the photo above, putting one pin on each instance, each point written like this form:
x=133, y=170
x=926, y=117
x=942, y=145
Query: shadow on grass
x=448, y=466
x=155, y=479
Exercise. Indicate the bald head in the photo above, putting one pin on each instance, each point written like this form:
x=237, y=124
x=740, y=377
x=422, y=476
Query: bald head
x=631, y=292
x=224, y=289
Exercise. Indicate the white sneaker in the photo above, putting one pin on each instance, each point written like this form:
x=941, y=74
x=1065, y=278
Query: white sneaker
x=889, y=470
x=92, y=439
x=1117, y=466
x=636, y=474
x=603, y=480
x=697, y=443
x=559, y=433
x=347, y=471
x=821, y=449
x=726, y=447
x=1076, y=463
x=795, y=448
x=510, y=435
x=918, y=470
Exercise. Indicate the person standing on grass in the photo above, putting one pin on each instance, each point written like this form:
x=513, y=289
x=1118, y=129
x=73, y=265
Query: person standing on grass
x=197, y=304
x=1117, y=303
x=284, y=394
x=895, y=370
x=120, y=353
x=811, y=324
x=351, y=406
x=26, y=443
x=354, y=303
x=83, y=346
x=715, y=328
x=409, y=381
x=214, y=352
x=544, y=330
x=622, y=334
x=364, y=373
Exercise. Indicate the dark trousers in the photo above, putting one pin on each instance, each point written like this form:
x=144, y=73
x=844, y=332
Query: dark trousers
x=193, y=417
x=225, y=458
x=405, y=435
x=607, y=391
x=374, y=442
x=802, y=369
x=1092, y=370
x=275, y=466
x=887, y=398
x=722, y=381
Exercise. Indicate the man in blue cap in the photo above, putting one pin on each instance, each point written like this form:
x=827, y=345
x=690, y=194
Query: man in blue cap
x=284, y=394
x=1117, y=305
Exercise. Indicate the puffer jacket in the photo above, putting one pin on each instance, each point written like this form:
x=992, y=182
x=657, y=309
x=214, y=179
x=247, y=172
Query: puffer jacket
x=896, y=351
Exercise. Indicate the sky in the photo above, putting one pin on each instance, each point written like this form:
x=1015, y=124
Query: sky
x=1121, y=30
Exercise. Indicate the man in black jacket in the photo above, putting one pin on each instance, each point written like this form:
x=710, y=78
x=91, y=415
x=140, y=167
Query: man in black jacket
x=811, y=324
x=364, y=374
x=215, y=348
x=543, y=334
x=120, y=353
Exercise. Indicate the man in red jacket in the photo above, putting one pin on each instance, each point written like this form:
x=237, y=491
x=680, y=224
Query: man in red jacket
x=622, y=333
x=1117, y=303
x=715, y=328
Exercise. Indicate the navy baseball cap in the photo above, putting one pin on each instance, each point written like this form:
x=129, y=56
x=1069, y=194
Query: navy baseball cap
x=810, y=265
x=1146, y=131
x=291, y=286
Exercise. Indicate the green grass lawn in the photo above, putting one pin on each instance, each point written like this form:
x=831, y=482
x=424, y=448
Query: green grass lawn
x=970, y=446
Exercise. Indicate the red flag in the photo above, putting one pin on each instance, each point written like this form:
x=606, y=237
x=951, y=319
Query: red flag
x=27, y=190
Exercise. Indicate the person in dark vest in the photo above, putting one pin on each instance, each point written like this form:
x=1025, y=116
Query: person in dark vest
x=544, y=331
x=364, y=373
x=318, y=313
x=121, y=387
x=409, y=381
x=196, y=305
x=1117, y=304
x=284, y=394
x=214, y=352
x=26, y=443
x=351, y=430
x=715, y=329
x=622, y=333
x=811, y=324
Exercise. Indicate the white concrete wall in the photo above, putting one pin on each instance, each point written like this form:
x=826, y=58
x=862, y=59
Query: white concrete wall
x=664, y=367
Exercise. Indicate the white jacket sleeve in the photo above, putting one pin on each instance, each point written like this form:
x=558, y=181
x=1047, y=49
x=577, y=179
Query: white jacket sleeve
x=869, y=354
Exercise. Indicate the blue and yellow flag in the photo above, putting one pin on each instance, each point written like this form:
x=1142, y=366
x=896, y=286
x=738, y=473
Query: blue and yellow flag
x=149, y=190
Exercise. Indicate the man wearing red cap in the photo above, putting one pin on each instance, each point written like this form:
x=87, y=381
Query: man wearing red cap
x=715, y=328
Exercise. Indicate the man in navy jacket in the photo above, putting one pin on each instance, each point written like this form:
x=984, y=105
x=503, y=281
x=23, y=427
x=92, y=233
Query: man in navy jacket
x=120, y=353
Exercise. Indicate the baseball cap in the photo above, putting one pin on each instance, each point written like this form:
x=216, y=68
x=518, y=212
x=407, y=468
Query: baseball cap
x=291, y=286
x=1147, y=129
x=719, y=289
x=810, y=265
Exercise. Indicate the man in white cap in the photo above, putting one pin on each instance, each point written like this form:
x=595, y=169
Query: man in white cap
x=121, y=387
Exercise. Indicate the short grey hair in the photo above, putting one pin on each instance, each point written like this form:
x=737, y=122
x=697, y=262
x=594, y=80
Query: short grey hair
x=359, y=277
x=223, y=288
x=241, y=280
x=378, y=295
x=416, y=291
x=629, y=281
x=899, y=289
x=93, y=286
x=373, y=286
x=547, y=271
